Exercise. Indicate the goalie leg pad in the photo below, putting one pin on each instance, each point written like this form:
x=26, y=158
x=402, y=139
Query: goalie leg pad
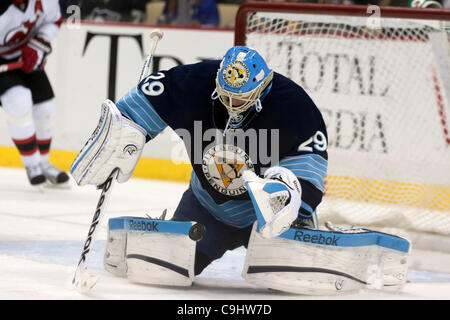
x=116, y=143
x=160, y=259
x=114, y=260
x=315, y=262
x=151, y=251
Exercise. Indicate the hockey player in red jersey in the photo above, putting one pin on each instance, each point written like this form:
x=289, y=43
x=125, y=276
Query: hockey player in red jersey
x=27, y=28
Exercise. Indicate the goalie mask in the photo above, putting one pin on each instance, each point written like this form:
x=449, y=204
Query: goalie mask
x=241, y=80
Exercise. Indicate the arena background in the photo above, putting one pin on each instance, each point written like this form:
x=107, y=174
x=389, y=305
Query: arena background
x=95, y=61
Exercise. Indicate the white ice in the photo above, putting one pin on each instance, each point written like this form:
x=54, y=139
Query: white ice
x=42, y=233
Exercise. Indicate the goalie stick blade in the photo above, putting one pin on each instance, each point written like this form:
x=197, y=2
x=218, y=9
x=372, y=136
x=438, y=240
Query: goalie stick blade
x=85, y=282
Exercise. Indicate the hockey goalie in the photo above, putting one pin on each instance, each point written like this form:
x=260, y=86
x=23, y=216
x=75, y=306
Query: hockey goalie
x=236, y=196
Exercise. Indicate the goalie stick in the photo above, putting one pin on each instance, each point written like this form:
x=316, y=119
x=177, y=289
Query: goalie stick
x=82, y=280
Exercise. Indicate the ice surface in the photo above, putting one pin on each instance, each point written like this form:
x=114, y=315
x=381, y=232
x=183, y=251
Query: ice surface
x=42, y=233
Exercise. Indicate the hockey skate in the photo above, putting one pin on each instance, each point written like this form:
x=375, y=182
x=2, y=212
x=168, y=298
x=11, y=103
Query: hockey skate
x=35, y=175
x=54, y=176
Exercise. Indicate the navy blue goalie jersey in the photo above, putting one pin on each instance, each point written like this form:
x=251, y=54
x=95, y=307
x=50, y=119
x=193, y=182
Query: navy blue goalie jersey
x=288, y=131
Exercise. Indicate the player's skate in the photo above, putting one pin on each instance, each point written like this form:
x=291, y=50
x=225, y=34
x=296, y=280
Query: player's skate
x=35, y=175
x=55, y=176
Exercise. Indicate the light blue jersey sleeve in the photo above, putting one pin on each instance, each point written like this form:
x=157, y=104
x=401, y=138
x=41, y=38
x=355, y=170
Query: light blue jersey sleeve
x=311, y=171
x=309, y=167
x=136, y=106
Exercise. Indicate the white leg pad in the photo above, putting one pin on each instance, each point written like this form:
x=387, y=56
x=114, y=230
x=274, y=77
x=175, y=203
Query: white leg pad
x=298, y=263
x=114, y=260
x=150, y=251
x=160, y=259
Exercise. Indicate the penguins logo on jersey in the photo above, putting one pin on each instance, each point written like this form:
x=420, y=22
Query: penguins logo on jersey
x=223, y=166
x=236, y=74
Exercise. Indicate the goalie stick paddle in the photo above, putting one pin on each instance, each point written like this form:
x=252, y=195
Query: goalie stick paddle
x=11, y=66
x=82, y=280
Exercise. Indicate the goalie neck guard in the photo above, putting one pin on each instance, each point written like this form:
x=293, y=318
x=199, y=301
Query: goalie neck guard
x=242, y=78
